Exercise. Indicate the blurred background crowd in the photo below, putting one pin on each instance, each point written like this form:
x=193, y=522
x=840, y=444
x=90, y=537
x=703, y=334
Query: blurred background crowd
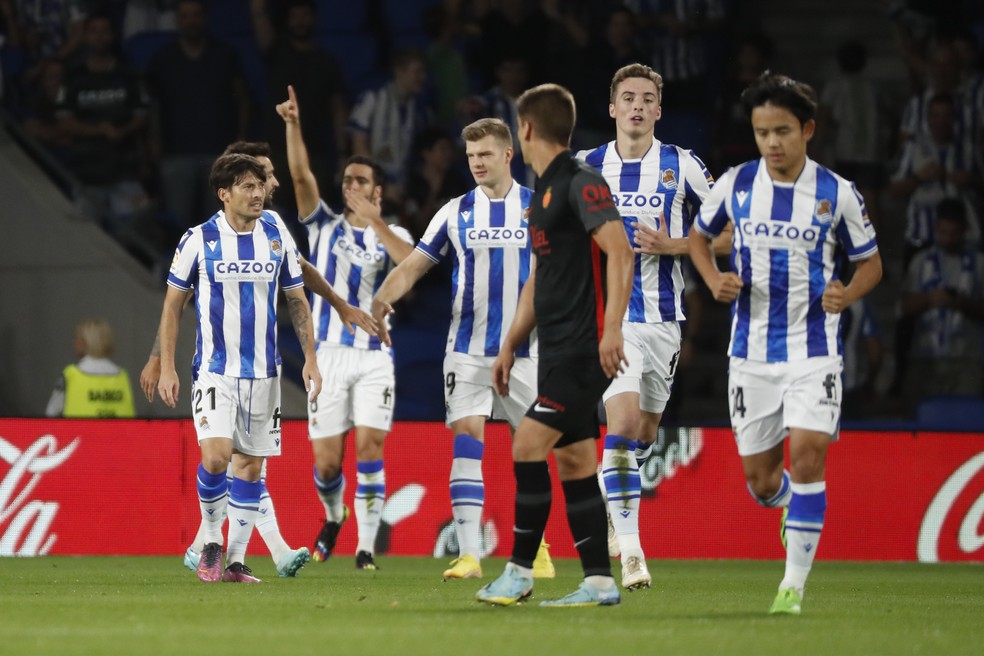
x=126, y=103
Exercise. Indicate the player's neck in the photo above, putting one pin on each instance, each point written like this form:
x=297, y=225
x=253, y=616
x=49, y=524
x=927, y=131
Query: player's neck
x=789, y=175
x=630, y=147
x=543, y=154
x=239, y=223
x=499, y=191
x=355, y=220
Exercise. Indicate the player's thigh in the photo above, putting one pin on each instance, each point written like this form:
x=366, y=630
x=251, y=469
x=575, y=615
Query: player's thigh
x=467, y=386
x=330, y=413
x=522, y=393
x=373, y=391
x=755, y=391
x=813, y=395
x=629, y=381
x=568, y=391
x=259, y=426
x=214, y=405
x=661, y=344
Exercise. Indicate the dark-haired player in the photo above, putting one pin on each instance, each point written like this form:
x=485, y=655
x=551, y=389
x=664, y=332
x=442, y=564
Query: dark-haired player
x=790, y=217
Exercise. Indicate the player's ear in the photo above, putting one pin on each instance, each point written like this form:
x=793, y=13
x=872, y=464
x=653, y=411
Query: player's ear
x=611, y=110
x=509, y=154
x=808, y=129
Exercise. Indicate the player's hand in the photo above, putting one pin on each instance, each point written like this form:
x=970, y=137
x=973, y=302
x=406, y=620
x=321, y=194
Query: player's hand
x=611, y=353
x=149, y=376
x=652, y=242
x=381, y=310
x=833, y=300
x=312, y=379
x=371, y=211
x=288, y=109
x=725, y=287
x=500, y=371
x=168, y=387
x=353, y=316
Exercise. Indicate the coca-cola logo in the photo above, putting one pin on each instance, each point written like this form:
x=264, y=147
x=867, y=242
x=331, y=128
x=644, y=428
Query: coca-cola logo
x=25, y=523
x=951, y=528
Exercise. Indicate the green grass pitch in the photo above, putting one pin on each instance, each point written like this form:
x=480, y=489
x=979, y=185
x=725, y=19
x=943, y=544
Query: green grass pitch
x=152, y=605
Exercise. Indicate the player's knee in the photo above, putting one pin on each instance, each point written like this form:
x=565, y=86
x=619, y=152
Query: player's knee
x=329, y=470
x=763, y=486
x=215, y=463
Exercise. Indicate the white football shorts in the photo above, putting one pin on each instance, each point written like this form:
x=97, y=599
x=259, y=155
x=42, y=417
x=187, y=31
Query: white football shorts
x=766, y=399
x=358, y=389
x=245, y=410
x=653, y=352
x=468, y=388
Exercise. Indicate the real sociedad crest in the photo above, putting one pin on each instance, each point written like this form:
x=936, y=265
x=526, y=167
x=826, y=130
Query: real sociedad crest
x=824, y=211
x=669, y=179
x=275, y=246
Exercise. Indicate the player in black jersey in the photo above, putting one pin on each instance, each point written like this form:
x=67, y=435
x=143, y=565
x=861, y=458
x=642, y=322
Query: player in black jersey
x=573, y=220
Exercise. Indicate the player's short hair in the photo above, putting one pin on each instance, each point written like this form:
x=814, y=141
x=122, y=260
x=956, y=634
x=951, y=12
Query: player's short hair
x=378, y=176
x=550, y=109
x=636, y=70
x=488, y=127
x=782, y=91
x=251, y=148
x=96, y=337
x=230, y=169
x=952, y=209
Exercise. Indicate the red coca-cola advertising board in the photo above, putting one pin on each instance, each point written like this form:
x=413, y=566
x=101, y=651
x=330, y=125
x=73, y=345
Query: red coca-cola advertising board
x=128, y=487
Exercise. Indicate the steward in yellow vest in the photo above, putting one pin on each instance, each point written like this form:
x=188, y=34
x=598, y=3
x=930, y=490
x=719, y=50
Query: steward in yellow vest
x=97, y=395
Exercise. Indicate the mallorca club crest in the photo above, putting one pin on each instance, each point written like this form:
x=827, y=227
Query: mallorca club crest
x=824, y=211
x=546, y=197
x=275, y=247
x=669, y=179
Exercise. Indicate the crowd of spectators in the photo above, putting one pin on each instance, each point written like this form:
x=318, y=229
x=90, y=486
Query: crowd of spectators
x=135, y=98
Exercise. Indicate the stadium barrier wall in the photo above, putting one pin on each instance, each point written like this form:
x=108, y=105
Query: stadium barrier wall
x=128, y=487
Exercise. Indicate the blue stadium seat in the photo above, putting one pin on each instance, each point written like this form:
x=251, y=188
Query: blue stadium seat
x=356, y=55
x=139, y=49
x=959, y=413
x=254, y=68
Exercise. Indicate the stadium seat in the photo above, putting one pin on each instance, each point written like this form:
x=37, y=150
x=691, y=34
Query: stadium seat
x=959, y=413
x=139, y=49
x=356, y=55
x=254, y=68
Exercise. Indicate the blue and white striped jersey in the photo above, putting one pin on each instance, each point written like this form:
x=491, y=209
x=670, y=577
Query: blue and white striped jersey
x=236, y=277
x=921, y=212
x=355, y=264
x=490, y=239
x=668, y=181
x=784, y=249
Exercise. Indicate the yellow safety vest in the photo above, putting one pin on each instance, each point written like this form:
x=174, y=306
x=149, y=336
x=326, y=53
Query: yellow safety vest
x=88, y=395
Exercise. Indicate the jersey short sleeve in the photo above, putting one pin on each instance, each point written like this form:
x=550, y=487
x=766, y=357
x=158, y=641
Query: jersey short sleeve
x=184, y=266
x=435, y=242
x=592, y=199
x=291, y=276
x=360, y=119
x=854, y=230
x=713, y=216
